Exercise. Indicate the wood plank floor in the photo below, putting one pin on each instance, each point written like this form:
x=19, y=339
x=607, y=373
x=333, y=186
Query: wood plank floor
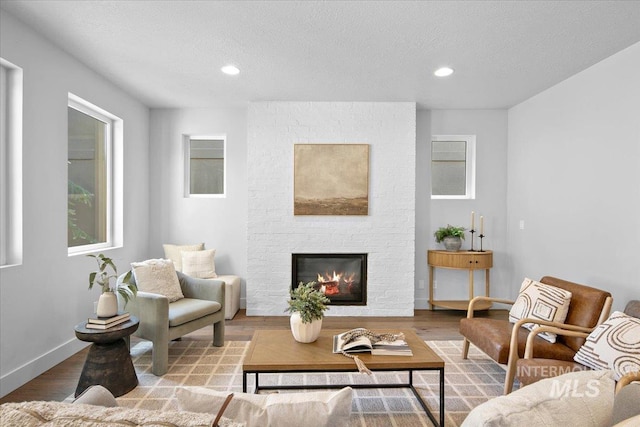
x=61, y=380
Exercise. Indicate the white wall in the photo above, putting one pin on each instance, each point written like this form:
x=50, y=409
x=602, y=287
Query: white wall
x=574, y=178
x=44, y=298
x=490, y=128
x=221, y=223
x=387, y=234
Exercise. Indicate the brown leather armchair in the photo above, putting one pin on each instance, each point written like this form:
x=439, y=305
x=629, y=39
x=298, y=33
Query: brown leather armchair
x=531, y=369
x=505, y=342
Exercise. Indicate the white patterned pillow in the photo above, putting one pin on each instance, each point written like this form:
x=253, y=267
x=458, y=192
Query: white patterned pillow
x=158, y=276
x=539, y=301
x=174, y=252
x=615, y=344
x=199, y=264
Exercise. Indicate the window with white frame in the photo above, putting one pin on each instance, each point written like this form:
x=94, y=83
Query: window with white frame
x=453, y=166
x=94, y=177
x=205, y=166
x=10, y=163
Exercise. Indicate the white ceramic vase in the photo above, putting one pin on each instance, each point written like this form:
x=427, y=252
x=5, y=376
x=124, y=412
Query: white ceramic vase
x=305, y=332
x=107, y=305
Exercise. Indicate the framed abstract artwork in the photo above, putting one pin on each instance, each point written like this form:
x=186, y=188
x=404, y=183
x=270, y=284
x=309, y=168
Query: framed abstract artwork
x=331, y=179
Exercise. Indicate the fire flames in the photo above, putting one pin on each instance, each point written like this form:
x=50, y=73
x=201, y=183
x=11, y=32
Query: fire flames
x=330, y=284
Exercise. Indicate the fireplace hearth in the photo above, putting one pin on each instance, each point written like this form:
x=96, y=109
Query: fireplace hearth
x=342, y=277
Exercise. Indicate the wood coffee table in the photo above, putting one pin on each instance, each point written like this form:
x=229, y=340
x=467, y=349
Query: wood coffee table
x=278, y=352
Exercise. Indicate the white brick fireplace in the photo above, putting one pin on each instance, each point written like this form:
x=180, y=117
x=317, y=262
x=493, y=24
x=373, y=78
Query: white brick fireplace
x=387, y=234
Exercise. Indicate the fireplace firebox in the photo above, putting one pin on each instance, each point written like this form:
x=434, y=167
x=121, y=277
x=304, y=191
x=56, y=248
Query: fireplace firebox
x=342, y=277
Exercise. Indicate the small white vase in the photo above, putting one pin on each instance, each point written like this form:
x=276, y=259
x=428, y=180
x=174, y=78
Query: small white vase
x=305, y=332
x=107, y=305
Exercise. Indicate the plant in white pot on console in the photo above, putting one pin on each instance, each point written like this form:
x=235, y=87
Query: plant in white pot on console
x=108, y=302
x=307, y=306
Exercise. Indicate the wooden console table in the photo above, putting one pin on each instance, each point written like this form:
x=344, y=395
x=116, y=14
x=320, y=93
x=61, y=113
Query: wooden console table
x=461, y=260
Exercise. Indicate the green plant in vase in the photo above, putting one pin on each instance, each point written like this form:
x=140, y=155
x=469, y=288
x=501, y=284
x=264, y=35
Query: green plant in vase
x=307, y=306
x=108, y=303
x=451, y=236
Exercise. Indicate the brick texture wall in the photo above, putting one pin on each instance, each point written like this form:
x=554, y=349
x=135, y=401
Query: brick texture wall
x=387, y=234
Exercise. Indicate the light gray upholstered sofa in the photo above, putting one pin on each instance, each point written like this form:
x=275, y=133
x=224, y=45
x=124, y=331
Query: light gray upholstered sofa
x=96, y=407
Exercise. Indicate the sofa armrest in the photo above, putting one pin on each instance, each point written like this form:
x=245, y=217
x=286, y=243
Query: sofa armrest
x=206, y=289
x=473, y=302
x=627, y=379
x=625, y=403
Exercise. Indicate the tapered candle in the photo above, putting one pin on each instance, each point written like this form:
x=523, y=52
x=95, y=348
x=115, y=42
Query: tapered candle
x=473, y=215
x=481, y=224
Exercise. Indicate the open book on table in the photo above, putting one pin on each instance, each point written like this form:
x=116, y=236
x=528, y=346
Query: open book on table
x=363, y=344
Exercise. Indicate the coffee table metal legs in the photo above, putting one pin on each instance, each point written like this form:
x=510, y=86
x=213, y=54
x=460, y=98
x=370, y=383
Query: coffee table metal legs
x=410, y=385
x=424, y=404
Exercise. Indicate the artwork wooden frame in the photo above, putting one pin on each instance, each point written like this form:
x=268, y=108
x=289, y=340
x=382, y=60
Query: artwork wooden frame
x=331, y=179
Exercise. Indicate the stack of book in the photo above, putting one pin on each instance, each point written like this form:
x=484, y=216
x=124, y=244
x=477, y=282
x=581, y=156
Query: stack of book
x=107, y=322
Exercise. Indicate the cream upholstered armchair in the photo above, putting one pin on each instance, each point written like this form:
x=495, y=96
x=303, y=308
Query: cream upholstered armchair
x=162, y=321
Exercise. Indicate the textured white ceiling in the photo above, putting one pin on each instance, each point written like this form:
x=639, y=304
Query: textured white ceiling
x=169, y=53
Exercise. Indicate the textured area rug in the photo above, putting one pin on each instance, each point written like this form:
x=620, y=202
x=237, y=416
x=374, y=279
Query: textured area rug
x=468, y=383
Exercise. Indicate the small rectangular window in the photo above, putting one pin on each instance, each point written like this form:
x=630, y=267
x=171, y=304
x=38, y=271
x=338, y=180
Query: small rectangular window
x=205, y=166
x=10, y=164
x=453, y=167
x=90, y=180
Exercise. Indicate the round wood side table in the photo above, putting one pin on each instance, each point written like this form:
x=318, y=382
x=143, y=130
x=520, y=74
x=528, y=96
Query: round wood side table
x=108, y=363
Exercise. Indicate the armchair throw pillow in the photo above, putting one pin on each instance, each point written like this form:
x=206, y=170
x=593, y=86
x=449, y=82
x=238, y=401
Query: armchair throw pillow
x=615, y=344
x=158, y=276
x=174, y=252
x=199, y=264
x=540, y=301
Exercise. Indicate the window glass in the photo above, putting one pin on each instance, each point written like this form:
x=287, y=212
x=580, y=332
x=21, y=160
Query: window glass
x=453, y=167
x=87, y=179
x=206, y=166
x=94, y=178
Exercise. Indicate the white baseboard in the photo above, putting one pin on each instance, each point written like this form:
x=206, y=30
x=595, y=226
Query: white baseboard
x=421, y=303
x=30, y=370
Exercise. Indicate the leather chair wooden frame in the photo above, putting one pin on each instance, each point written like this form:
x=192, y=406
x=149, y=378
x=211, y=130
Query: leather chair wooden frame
x=530, y=369
x=505, y=342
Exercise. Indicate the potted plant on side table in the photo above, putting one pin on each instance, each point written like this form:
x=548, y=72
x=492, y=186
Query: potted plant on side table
x=451, y=236
x=307, y=306
x=108, y=302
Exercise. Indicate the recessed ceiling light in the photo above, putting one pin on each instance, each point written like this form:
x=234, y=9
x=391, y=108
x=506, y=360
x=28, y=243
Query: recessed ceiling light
x=232, y=70
x=443, y=72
